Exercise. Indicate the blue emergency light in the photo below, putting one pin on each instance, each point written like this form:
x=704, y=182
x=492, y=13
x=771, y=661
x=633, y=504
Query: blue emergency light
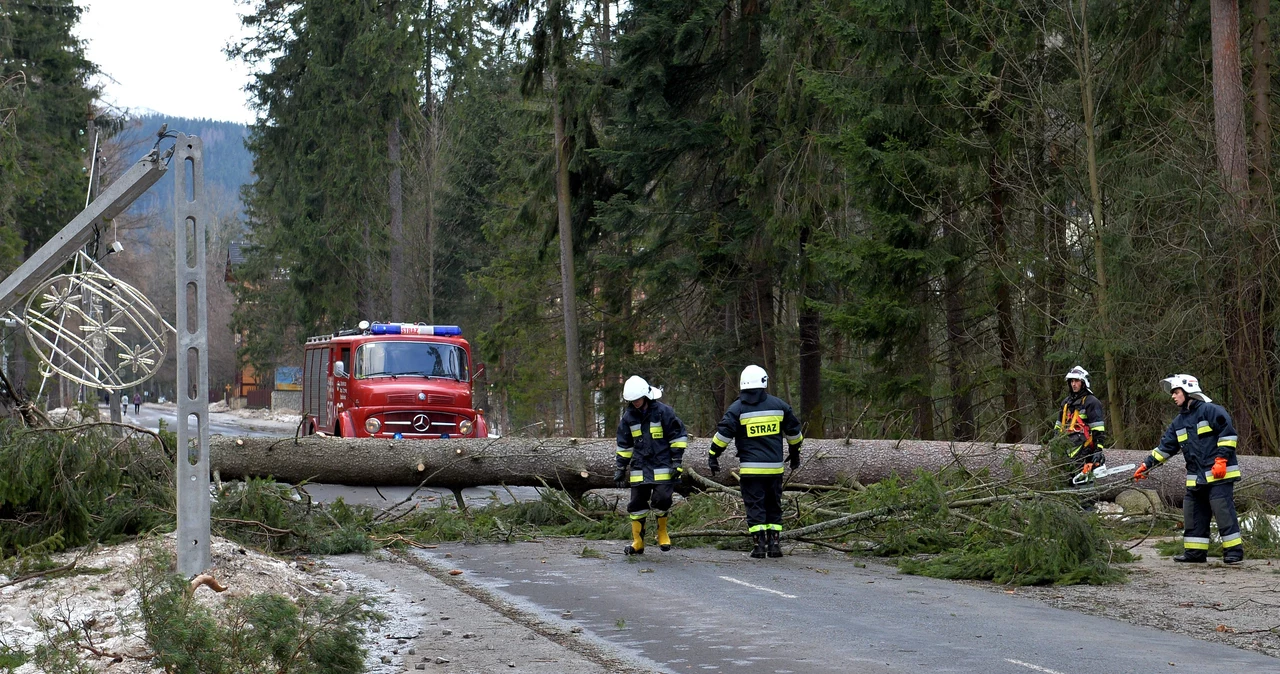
x=414, y=329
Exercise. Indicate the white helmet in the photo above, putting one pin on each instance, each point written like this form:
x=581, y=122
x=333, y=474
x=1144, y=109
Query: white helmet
x=753, y=376
x=637, y=388
x=1080, y=373
x=1188, y=383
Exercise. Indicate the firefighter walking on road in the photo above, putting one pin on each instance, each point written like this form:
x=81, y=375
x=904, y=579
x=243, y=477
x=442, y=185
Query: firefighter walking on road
x=758, y=423
x=1082, y=422
x=1203, y=432
x=651, y=444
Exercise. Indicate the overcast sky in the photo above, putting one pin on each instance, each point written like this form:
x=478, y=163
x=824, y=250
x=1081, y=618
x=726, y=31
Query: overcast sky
x=166, y=56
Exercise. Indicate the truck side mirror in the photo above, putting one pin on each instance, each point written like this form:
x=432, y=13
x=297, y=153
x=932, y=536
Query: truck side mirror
x=340, y=369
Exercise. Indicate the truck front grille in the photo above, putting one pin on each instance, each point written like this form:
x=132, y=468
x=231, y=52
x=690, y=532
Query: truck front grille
x=419, y=422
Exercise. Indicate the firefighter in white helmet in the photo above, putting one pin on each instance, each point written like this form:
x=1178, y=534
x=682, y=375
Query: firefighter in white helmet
x=1203, y=432
x=1081, y=420
x=651, y=444
x=758, y=423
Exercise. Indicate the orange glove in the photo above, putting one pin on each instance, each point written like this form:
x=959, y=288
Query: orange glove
x=1088, y=468
x=1220, y=468
x=1140, y=473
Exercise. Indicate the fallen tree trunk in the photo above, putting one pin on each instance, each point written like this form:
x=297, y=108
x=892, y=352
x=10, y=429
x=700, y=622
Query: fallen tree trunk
x=578, y=464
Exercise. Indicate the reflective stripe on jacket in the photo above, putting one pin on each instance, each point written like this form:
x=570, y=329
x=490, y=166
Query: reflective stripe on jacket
x=758, y=424
x=651, y=442
x=1202, y=432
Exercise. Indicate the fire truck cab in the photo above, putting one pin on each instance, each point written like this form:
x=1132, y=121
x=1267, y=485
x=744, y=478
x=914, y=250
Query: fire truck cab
x=390, y=380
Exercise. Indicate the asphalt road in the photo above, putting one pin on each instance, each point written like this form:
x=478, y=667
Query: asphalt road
x=220, y=423
x=710, y=610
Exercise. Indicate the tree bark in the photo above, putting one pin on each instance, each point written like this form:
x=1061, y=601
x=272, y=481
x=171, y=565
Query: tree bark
x=811, y=412
x=764, y=308
x=606, y=29
x=921, y=397
x=1084, y=64
x=1004, y=301
x=431, y=145
x=810, y=320
x=577, y=464
x=395, y=199
x=1246, y=317
x=1228, y=97
x=366, y=293
x=963, y=425
x=724, y=380
x=568, y=284
x=1261, y=105
x=616, y=332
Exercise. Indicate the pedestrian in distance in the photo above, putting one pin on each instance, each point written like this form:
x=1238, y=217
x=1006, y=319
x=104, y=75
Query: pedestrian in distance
x=1081, y=421
x=1203, y=432
x=651, y=444
x=137, y=403
x=757, y=424
x=124, y=404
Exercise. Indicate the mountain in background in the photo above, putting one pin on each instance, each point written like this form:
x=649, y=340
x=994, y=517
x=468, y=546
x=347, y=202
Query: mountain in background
x=227, y=164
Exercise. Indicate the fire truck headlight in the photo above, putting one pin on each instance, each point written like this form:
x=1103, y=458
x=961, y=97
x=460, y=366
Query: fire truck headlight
x=464, y=427
x=372, y=425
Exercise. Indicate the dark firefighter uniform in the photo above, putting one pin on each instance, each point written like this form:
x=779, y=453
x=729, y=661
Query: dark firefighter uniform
x=1082, y=421
x=1203, y=432
x=651, y=444
x=758, y=424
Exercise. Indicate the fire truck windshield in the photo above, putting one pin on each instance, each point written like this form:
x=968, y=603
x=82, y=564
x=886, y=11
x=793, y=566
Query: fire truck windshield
x=410, y=359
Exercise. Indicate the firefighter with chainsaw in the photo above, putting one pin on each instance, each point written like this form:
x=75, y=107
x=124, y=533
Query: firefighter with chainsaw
x=758, y=423
x=651, y=444
x=1203, y=432
x=1082, y=422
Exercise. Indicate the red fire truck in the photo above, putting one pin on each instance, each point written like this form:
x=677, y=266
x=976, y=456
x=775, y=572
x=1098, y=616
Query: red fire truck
x=391, y=380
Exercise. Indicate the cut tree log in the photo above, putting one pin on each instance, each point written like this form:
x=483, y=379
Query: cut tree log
x=578, y=464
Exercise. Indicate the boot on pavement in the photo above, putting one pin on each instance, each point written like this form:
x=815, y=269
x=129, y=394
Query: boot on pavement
x=758, y=552
x=1192, y=557
x=637, y=539
x=664, y=540
x=775, y=544
x=1233, y=555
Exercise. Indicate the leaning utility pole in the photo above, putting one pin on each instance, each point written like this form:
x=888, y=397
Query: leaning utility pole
x=193, y=357
x=192, y=312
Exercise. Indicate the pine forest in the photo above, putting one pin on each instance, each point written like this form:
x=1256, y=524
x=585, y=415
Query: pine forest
x=916, y=215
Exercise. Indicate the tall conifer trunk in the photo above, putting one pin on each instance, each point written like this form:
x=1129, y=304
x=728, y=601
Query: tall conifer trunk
x=431, y=145
x=1003, y=294
x=368, y=289
x=1261, y=168
x=810, y=320
x=1228, y=97
x=1084, y=67
x=963, y=425
x=396, y=202
x=568, y=286
x=1247, y=305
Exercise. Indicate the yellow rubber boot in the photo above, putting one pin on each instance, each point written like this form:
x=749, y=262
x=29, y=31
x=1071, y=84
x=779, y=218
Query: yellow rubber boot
x=664, y=541
x=637, y=539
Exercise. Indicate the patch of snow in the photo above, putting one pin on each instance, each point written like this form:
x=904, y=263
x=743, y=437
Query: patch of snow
x=109, y=600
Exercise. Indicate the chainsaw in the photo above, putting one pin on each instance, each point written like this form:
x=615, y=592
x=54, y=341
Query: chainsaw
x=1101, y=472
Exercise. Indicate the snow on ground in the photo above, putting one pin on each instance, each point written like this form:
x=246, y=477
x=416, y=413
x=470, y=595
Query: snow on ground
x=63, y=415
x=106, y=596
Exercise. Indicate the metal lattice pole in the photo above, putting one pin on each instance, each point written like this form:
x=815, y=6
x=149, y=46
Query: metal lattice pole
x=193, y=358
